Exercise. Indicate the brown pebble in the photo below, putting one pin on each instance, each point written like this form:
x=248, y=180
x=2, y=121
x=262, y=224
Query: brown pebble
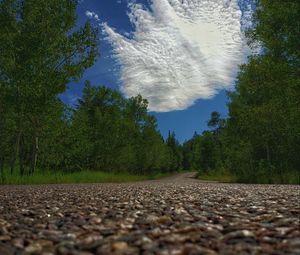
x=5, y=238
x=164, y=220
x=119, y=246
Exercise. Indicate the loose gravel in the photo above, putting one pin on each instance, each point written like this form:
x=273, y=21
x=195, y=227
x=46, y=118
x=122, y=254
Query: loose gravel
x=177, y=216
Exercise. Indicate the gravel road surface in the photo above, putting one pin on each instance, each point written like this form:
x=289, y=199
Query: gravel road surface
x=177, y=215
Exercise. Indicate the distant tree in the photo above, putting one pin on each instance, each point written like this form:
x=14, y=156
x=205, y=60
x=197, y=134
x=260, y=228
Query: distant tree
x=176, y=151
x=216, y=122
x=110, y=133
x=202, y=152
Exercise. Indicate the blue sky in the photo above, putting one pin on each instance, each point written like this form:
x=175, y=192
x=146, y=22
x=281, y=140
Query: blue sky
x=186, y=88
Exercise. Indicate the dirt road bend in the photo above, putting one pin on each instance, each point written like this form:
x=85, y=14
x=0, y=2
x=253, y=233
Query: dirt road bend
x=176, y=215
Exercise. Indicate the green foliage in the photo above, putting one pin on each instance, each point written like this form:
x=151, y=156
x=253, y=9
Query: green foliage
x=40, y=54
x=106, y=133
x=175, y=152
x=203, y=152
x=114, y=134
x=260, y=140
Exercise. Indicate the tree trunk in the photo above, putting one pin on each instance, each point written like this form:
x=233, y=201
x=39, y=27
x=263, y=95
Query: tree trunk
x=2, y=168
x=268, y=152
x=22, y=156
x=34, y=154
x=16, y=153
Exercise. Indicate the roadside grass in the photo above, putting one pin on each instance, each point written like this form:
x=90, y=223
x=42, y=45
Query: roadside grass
x=217, y=176
x=275, y=178
x=226, y=177
x=56, y=177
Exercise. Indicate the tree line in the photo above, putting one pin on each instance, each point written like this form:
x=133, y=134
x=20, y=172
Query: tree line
x=260, y=138
x=41, y=53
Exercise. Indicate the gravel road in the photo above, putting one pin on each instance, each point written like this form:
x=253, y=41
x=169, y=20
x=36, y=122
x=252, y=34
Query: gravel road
x=175, y=215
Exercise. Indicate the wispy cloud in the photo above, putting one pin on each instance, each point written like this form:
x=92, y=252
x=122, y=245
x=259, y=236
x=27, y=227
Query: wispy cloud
x=92, y=15
x=180, y=51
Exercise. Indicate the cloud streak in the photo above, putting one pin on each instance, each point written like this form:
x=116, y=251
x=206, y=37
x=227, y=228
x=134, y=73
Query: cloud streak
x=180, y=51
x=92, y=15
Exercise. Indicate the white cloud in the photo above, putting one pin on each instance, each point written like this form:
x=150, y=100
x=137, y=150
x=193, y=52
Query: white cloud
x=180, y=51
x=92, y=15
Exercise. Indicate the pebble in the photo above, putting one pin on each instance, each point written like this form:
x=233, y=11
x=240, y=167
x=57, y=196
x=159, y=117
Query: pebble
x=119, y=246
x=5, y=238
x=173, y=216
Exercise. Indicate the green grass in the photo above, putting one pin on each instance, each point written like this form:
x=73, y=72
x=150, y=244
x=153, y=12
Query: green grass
x=287, y=178
x=223, y=176
x=76, y=177
x=216, y=176
x=273, y=178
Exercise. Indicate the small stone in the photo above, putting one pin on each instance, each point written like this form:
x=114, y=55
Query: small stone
x=55, y=209
x=33, y=248
x=119, y=246
x=165, y=220
x=151, y=219
x=95, y=220
x=5, y=238
x=4, y=223
x=107, y=232
x=44, y=243
x=60, y=214
x=40, y=226
x=146, y=239
x=51, y=233
x=176, y=238
x=184, y=230
x=18, y=243
x=126, y=226
x=283, y=230
x=65, y=245
x=239, y=233
x=235, y=237
x=61, y=250
x=3, y=231
x=191, y=249
x=89, y=240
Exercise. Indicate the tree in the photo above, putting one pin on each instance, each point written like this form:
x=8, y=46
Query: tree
x=176, y=152
x=264, y=116
x=110, y=133
x=216, y=122
x=40, y=54
x=260, y=139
